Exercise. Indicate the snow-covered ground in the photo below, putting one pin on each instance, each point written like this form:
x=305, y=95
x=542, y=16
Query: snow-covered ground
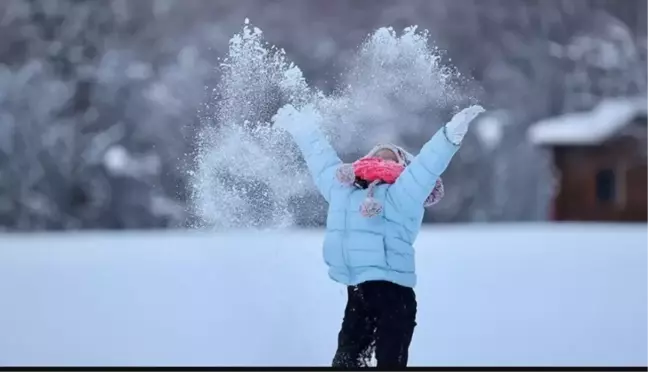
x=487, y=295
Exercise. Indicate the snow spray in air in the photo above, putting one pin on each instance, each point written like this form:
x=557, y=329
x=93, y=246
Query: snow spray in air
x=250, y=175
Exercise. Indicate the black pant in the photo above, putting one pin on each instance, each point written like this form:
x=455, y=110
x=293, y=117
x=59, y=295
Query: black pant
x=380, y=316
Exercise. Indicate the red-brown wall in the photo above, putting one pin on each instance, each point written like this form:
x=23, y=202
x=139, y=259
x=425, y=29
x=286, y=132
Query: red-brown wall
x=577, y=200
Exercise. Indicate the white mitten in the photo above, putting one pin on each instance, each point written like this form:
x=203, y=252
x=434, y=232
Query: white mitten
x=293, y=120
x=286, y=117
x=456, y=129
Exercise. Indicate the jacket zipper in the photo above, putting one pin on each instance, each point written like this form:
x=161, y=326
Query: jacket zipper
x=344, y=238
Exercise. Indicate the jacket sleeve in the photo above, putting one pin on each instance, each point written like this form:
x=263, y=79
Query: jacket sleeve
x=419, y=178
x=320, y=157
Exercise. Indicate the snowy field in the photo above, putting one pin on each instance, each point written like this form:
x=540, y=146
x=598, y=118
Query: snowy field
x=488, y=295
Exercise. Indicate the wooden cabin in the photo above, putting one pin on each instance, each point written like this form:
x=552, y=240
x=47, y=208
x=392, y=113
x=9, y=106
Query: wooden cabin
x=600, y=161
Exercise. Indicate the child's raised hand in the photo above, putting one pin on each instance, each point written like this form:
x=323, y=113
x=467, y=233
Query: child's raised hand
x=291, y=119
x=285, y=116
x=456, y=129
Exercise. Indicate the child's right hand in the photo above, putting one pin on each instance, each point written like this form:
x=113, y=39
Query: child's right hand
x=291, y=119
x=285, y=117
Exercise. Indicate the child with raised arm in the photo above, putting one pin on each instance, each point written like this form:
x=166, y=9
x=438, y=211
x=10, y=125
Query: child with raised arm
x=375, y=212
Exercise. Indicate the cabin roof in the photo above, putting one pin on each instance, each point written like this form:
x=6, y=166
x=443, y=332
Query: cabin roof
x=588, y=127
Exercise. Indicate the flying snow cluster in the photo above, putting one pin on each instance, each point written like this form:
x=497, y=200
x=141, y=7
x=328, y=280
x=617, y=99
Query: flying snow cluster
x=249, y=174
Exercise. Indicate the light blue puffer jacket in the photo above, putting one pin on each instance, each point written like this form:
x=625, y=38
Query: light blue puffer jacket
x=358, y=248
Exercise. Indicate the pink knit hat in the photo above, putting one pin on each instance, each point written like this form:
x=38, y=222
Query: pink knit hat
x=404, y=157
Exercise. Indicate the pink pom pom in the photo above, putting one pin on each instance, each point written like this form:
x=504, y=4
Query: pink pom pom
x=345, y=174
x=370, y=207
x=436, y=195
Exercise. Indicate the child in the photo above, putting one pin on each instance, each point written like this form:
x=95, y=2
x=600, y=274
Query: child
x=375, y=212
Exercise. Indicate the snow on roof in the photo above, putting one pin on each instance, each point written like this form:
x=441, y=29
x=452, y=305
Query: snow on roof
x=589, y=127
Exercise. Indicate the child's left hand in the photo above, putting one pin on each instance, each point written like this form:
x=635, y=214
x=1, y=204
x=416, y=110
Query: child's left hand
x=457, y=127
